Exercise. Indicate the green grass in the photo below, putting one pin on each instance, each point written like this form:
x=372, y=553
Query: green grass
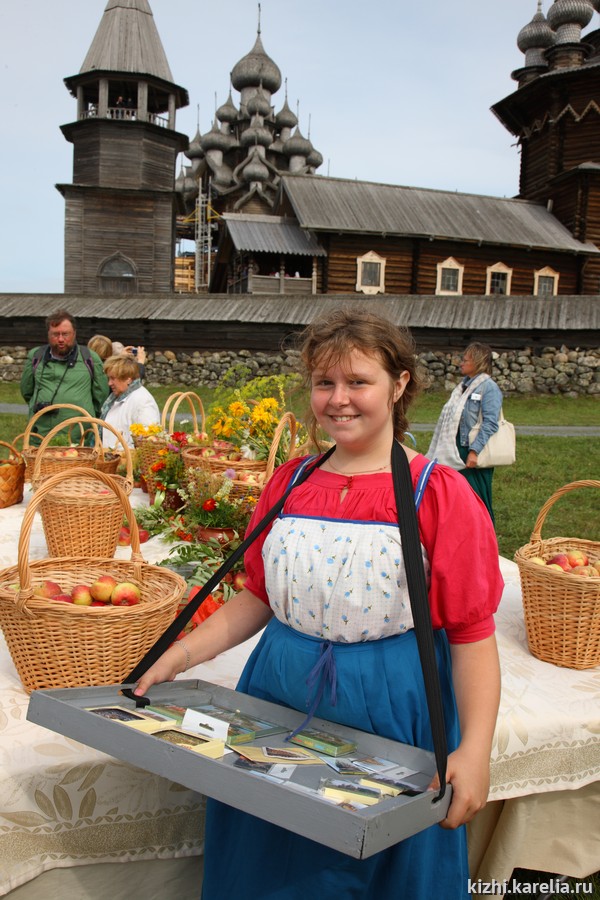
x=530, y=409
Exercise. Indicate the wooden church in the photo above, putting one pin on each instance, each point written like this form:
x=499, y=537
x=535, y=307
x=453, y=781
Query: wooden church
x=265, y=222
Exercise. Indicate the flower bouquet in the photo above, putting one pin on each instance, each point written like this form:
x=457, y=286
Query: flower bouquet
x=166, y=473
x=209, y=506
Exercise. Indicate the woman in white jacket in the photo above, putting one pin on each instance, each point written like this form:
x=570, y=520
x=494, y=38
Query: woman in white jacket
x=128, y=402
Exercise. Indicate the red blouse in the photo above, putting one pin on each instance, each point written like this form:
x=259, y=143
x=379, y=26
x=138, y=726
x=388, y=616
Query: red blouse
x=455, y=529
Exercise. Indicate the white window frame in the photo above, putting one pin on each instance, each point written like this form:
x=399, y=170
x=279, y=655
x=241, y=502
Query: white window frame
x=498, y=267
x=546, y=272
x=370, y=257
x=449, y=263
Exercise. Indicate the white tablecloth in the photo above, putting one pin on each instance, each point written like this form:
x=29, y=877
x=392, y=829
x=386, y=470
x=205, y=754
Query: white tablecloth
x=63, y=804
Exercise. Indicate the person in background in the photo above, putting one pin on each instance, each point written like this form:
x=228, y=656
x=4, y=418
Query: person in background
x=101, y=345
x=139, y=353
x=476, y=395
x=62, y=371
x=128, y=402
x=327, y=582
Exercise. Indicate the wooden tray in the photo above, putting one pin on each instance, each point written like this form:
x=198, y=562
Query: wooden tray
x=358, y=833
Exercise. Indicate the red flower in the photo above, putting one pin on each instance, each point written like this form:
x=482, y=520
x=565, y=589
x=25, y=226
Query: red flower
x=157, y=466
x=180, y=437
x=209, y=505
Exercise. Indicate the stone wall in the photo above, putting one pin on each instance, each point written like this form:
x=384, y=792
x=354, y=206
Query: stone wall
x=549, y=371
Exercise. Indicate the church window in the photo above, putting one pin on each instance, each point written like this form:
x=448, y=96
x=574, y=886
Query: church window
x=545, y=282
x=449, y=277
x=370, y=273
x=117, y=275
x=498, y=280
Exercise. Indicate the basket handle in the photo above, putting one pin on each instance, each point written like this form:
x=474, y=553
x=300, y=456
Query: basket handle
x=191, y=398
x=17, y=453
x=36, y=416
x=25, y=592
x=288, y=419
x=536, y=534
x=94, y=423
x=167, y=408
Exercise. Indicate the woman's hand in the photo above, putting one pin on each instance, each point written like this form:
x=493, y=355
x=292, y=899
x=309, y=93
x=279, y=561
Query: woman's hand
x=471, y=462
x=469, y=775
x=171, y=663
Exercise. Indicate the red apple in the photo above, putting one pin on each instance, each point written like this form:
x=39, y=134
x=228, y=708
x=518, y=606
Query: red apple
x=70, y=453
x=555, y=566
x=81, y=595
x=560, y=559
x=64, y=598
x=576, y=558
x=125, y=594
x=124, y=539
x=98, y=603
x=144, y=535
x=47, y=589
x=103, y=587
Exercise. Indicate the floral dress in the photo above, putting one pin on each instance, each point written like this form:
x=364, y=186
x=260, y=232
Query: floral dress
x=331, y=569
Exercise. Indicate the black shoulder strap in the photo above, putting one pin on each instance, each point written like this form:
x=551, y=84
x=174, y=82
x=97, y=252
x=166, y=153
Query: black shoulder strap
x=38, y=357
x=87, y=358
x=170, y=634
x=417, y=589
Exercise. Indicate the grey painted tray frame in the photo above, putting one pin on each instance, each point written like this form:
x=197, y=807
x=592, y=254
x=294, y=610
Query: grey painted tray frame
x=356, y=833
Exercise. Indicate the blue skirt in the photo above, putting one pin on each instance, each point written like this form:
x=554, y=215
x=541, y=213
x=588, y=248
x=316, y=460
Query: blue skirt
x=380, y=690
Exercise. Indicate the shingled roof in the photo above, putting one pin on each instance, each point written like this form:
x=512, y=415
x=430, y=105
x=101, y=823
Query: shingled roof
x=127, y=40
x=271, y=234
x=340, y=205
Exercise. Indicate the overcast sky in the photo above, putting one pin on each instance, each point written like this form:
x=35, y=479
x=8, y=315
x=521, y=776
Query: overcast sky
x=397, y=91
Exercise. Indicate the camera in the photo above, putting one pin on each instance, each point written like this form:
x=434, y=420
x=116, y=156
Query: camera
x=41, y=405
x=134, y=351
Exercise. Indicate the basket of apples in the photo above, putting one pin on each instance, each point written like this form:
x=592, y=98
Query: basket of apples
x=54, y=459
x=83, y=621
x=81, y=516
x=560, y=587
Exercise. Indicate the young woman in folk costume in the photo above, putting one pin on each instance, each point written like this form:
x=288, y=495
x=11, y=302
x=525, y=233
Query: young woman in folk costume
x=328, y=577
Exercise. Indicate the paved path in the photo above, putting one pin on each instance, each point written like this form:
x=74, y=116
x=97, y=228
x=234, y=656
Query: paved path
x=549, y=430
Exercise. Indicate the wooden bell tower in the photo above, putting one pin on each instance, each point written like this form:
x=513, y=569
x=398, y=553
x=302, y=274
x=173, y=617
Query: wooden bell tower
x=121, y=207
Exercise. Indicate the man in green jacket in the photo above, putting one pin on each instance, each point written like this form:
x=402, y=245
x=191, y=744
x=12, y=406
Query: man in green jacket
x=62, y=372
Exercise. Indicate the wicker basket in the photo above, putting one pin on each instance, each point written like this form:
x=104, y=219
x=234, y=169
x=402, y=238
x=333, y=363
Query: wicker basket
x=107, y=460
x=80, y=516
x=57, y=645
x=261, y=469
x=12, y=477
x=54, y=460
x=561, y=611
x=173, y=403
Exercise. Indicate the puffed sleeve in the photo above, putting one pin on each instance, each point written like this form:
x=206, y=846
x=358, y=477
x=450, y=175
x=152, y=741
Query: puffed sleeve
x=458, y=535
x=272, y=492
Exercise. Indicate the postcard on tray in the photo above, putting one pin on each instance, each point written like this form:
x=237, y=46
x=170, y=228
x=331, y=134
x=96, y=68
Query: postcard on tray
x=279, y=754
x=134, y=719
x=349, y=791
x=196, y=742
x=344, y=765
x=323, y=742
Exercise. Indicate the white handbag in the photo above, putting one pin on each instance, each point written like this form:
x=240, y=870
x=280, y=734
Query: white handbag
x=501, y=449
